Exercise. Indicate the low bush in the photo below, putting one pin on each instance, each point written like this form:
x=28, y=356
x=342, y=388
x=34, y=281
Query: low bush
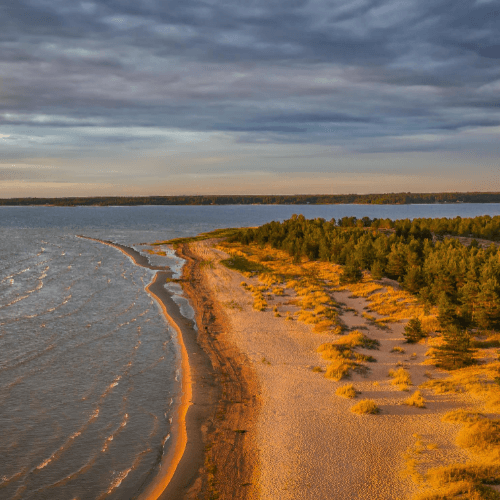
x=440, y=386
x=358, y=339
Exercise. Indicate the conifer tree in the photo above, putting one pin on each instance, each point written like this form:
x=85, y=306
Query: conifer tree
x=487, y=314
x=456, y=351
x=447, y=312
x=352, y=273
x=414, y=279
x=413, y=331
x=377, y=270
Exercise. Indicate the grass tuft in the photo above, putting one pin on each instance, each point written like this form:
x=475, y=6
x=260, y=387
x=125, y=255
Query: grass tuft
x=338, y=369
x=416, y=399
x=462, y=417
x=398, y=349
x=481, y=437
x=401, y=378
x=347, y=391
x=365, y=407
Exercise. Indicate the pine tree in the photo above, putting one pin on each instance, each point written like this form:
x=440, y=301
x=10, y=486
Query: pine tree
x=414, y=279
x=456, y=351
x=487, y=314
x=413, y=331
x=447, y=312
x=396, y=261
x=377, y=270
x=352, y=273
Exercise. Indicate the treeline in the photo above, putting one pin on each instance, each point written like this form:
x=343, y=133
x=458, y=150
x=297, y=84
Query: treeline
x=373, y=199
x=463, y=281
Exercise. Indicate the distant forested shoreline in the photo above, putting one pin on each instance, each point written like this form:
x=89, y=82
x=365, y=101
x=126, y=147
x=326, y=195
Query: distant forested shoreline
x=358, y=199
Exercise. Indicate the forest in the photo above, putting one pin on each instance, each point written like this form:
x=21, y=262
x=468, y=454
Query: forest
x=374, y=199
x=462, y=280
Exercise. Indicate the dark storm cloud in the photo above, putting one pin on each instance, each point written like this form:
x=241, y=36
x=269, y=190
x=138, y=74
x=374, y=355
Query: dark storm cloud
x=288, y=71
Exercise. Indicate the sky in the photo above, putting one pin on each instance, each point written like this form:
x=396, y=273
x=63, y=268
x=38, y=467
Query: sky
x=166, y=97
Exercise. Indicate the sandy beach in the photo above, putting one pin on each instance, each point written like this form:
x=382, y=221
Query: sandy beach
x=256, y=421
x=308, y=444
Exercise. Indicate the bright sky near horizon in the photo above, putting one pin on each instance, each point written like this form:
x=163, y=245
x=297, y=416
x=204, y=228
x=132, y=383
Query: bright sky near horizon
x=248, y=97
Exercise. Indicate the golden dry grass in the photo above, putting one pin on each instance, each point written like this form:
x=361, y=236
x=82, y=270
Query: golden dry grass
x=462, y=416
x=347, y=391
x=365, y=407
x=398, y=349
x=482, y=437
x=416, y=399
x=400, y=378
x=156, y=252
x=312, y=282
x=338, y=369
x=460, y=481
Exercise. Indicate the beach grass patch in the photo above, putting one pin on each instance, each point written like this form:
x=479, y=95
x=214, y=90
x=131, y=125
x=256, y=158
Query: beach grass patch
x=398, y=349
x=347, y=391
x=232, y=304
x=365, y=407
x=338, y=369
x=362, y=358
x=461, y=481
x=481, y=437
x=400, y=378
x=462, y=417
x=440, y=386
x=416, y=399
x=358, y=339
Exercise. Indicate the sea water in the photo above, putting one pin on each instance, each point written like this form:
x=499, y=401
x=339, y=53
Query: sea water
x=89, y=369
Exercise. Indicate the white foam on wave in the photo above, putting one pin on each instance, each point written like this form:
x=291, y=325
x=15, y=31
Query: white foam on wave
x=110, y=386
x=110, y=438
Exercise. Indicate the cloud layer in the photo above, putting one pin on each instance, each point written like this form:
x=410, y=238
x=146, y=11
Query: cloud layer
x=115, y=88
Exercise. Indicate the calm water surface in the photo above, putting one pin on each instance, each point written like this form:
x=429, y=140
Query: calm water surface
x=88, y=367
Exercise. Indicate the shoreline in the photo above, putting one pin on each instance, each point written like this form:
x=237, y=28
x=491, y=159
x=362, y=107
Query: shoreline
x=203, y=426
x=170, y=461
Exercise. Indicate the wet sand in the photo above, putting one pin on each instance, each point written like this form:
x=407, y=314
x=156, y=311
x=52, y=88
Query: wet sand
x=218, y=396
